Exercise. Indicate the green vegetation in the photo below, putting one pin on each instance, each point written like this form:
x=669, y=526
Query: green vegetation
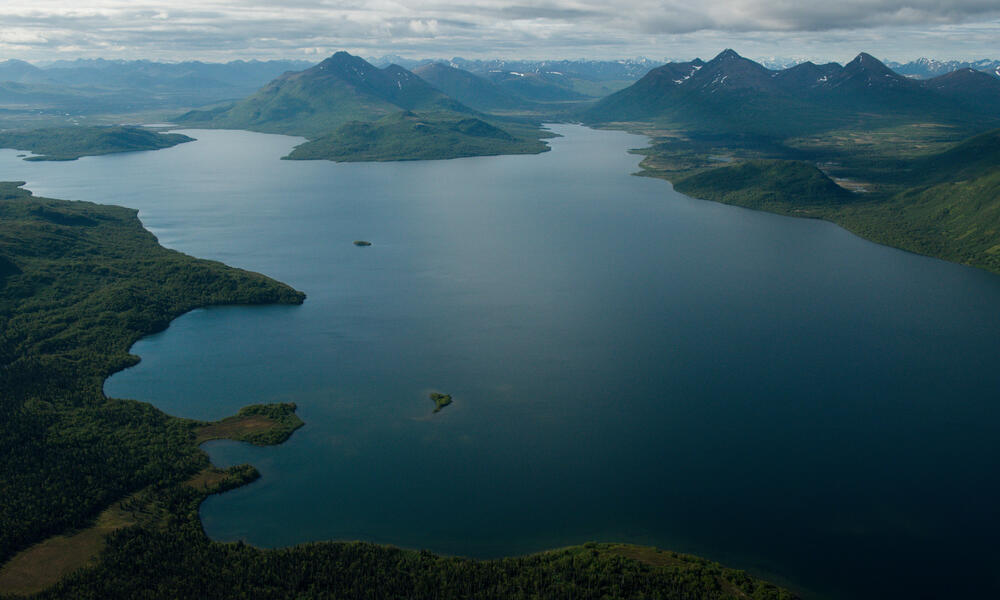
x=766, y=185
x=440, y=401
x=944, y=204
x=70, y=143
x=258, y=424
x=83, y=282
x=179, y=562
x=101, y=496
x=411, y=136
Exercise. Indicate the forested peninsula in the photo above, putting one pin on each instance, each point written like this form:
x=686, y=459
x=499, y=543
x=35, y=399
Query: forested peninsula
x=71, y=143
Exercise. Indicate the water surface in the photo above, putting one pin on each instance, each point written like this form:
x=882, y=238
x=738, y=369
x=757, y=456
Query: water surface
x=627, y=364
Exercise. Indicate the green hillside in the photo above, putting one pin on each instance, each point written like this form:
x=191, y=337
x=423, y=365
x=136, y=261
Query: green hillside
x=765, y=185
x=945, y=204
x=316, y=101
x=411, y=136
x=70, y=143
x=973, y=158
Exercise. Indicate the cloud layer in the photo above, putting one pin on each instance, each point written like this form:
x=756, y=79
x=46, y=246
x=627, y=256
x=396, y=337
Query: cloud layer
x=216, y=29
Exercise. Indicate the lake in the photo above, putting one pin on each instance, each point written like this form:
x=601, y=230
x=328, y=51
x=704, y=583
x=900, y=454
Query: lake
x=627, y=364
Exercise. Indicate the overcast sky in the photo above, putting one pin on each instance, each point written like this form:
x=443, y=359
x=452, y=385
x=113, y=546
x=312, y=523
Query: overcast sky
x=218, y=30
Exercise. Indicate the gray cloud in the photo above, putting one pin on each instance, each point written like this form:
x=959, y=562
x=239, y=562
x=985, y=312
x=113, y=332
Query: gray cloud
x=221, y=29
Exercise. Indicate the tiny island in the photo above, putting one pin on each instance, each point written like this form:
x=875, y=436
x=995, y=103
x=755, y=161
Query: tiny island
x=440, y=401
x=362, y=243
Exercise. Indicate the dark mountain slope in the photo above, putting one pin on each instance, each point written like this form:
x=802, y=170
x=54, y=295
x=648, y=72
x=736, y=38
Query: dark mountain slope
x=21, y=72
x=468, y=88
x=975, y=89
x=340, y=89
x=544, y=86
x=647, y=98
x=728, y=94
x=806, y=76
x=733, y=95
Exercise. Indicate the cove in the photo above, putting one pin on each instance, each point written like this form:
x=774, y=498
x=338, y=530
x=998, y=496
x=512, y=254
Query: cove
x=626, y=364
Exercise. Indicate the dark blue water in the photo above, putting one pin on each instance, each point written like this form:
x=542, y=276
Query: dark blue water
x=627, y=364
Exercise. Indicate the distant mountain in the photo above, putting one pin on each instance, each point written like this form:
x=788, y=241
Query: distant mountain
x=926, y=68
x=778, y=63
x=245, y=76
x=730, y=71
x=411, y=136
x=315, y=101
x=866, y=73
x=47, y=97
x=866, y=85
x=537, y=87
x=972, y=88
x=648, y=97
x=87, y=86
x=728, y=93
x=736, y=95
x=19, y=71
x=469, y=89
x=591, y=70
x=806, y=75
x=546, y=81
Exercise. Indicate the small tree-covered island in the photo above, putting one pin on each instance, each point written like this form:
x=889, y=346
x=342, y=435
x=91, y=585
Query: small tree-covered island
x=440, y=400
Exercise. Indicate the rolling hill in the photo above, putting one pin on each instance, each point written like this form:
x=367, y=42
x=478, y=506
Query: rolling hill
x=70, y=143
x=411, y=136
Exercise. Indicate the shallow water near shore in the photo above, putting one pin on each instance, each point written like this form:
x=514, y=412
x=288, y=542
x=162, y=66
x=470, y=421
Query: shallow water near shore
x=626, y=363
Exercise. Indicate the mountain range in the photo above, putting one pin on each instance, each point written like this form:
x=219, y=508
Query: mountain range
x=238, y=74
x=470, y=89
x=926, y=68
x=732, y=94
x=88, y=86
x=545, y=81
x=592, y=70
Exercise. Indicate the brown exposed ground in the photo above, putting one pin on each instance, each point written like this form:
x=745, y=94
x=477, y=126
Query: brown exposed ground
x=234, y=428
x=45, y=563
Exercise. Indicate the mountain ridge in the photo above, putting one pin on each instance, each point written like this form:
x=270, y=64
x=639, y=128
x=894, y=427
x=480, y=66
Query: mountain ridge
x=317, y=100
x=731, y=93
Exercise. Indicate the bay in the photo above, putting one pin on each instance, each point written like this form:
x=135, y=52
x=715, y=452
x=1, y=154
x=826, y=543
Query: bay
x=627, y=364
